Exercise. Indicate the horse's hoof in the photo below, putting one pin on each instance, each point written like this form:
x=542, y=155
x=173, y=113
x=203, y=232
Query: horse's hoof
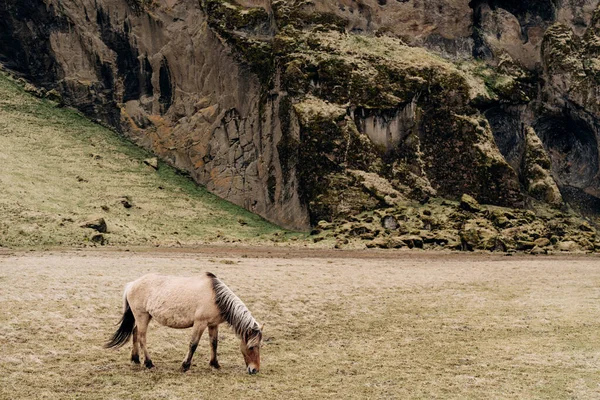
x=185, y=367
x=215, y=364
x=135, y=359
x=148, y=364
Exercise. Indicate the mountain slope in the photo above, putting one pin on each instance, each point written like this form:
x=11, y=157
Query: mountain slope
x=283, y=106
x=59, y=170
x=321, y=115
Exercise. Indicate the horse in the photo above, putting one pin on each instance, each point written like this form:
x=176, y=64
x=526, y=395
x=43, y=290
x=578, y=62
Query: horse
x=178, y=302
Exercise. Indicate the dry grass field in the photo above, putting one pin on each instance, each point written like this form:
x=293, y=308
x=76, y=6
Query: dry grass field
x=362, y=324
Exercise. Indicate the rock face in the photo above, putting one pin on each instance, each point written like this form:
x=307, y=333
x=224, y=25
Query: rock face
x=556, y=44
x=310, y=111
x=161, y=75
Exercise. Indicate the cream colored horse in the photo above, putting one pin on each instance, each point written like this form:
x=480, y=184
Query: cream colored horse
x=199, y=302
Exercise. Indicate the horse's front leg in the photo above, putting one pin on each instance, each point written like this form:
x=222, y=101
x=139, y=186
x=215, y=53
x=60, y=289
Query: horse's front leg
x=213, y=332
x=197, y=331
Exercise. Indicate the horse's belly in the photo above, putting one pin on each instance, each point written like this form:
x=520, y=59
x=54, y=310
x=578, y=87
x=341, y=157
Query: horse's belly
x=173, y=317
x=173, y=321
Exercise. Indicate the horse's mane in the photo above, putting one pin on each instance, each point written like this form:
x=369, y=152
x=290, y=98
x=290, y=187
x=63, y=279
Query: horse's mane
x=235, y=312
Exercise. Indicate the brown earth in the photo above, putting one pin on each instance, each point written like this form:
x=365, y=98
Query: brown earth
x=339, y=324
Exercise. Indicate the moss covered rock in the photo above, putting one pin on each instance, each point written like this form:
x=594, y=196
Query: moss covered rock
x=536, y=166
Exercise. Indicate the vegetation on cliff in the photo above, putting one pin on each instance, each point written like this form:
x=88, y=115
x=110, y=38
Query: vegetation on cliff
x=463, y=225
x=346, y=90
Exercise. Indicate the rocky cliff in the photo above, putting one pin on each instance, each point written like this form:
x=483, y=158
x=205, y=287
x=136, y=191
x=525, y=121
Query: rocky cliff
x=162, y=76
x=303, y=111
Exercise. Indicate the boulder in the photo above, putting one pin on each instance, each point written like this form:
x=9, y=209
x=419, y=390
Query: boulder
x=379, y=242
x=538, y=250
x=389, y=222
x=152, y=162
x=98, y=224
x=525, y=245
x=586, y=227
x=99, y=239
x=501, y=219
x=412, y=241
x=379, y=187
x=468, y=203
x=479, y=234
x=542, y=242
x=54, y=95
x=568, y=246
x=324, y=225
x=29, y=88
x=396, y=243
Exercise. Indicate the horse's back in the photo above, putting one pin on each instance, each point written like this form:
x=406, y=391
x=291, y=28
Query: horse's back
x=174, y=301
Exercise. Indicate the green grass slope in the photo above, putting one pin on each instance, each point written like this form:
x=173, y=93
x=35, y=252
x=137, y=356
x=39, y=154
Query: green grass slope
x=59, y=170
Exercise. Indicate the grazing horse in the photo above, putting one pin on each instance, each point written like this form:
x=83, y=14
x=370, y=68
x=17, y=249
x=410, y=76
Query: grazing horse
x=199, y=302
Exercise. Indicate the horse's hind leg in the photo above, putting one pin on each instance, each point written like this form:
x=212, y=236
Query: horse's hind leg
x=135, y=350
x=197, y=331
x=142, y=322
x=213, y=332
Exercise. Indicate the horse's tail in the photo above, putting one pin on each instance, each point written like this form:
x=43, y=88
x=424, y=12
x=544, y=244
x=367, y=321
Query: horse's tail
x=127, y=324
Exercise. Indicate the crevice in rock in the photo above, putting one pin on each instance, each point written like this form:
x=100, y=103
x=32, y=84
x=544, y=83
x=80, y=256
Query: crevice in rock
x=572, y=146
x=147, y=71
x=480, y=49
x=529, y=13
x=165, y=85
x=25, y=47
x=128, y=63
x=585, y=203
x=508, y=134
x=526, y=11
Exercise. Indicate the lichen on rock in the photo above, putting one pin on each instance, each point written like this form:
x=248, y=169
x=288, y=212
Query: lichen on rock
x=539, y=181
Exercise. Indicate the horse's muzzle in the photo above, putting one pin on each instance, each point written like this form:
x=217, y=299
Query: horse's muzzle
x=252, y=370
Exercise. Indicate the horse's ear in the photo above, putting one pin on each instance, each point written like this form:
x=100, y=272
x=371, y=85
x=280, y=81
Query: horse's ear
x=261, y=326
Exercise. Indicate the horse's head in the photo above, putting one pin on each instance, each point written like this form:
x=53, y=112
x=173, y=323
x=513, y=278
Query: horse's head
x=250, y=346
